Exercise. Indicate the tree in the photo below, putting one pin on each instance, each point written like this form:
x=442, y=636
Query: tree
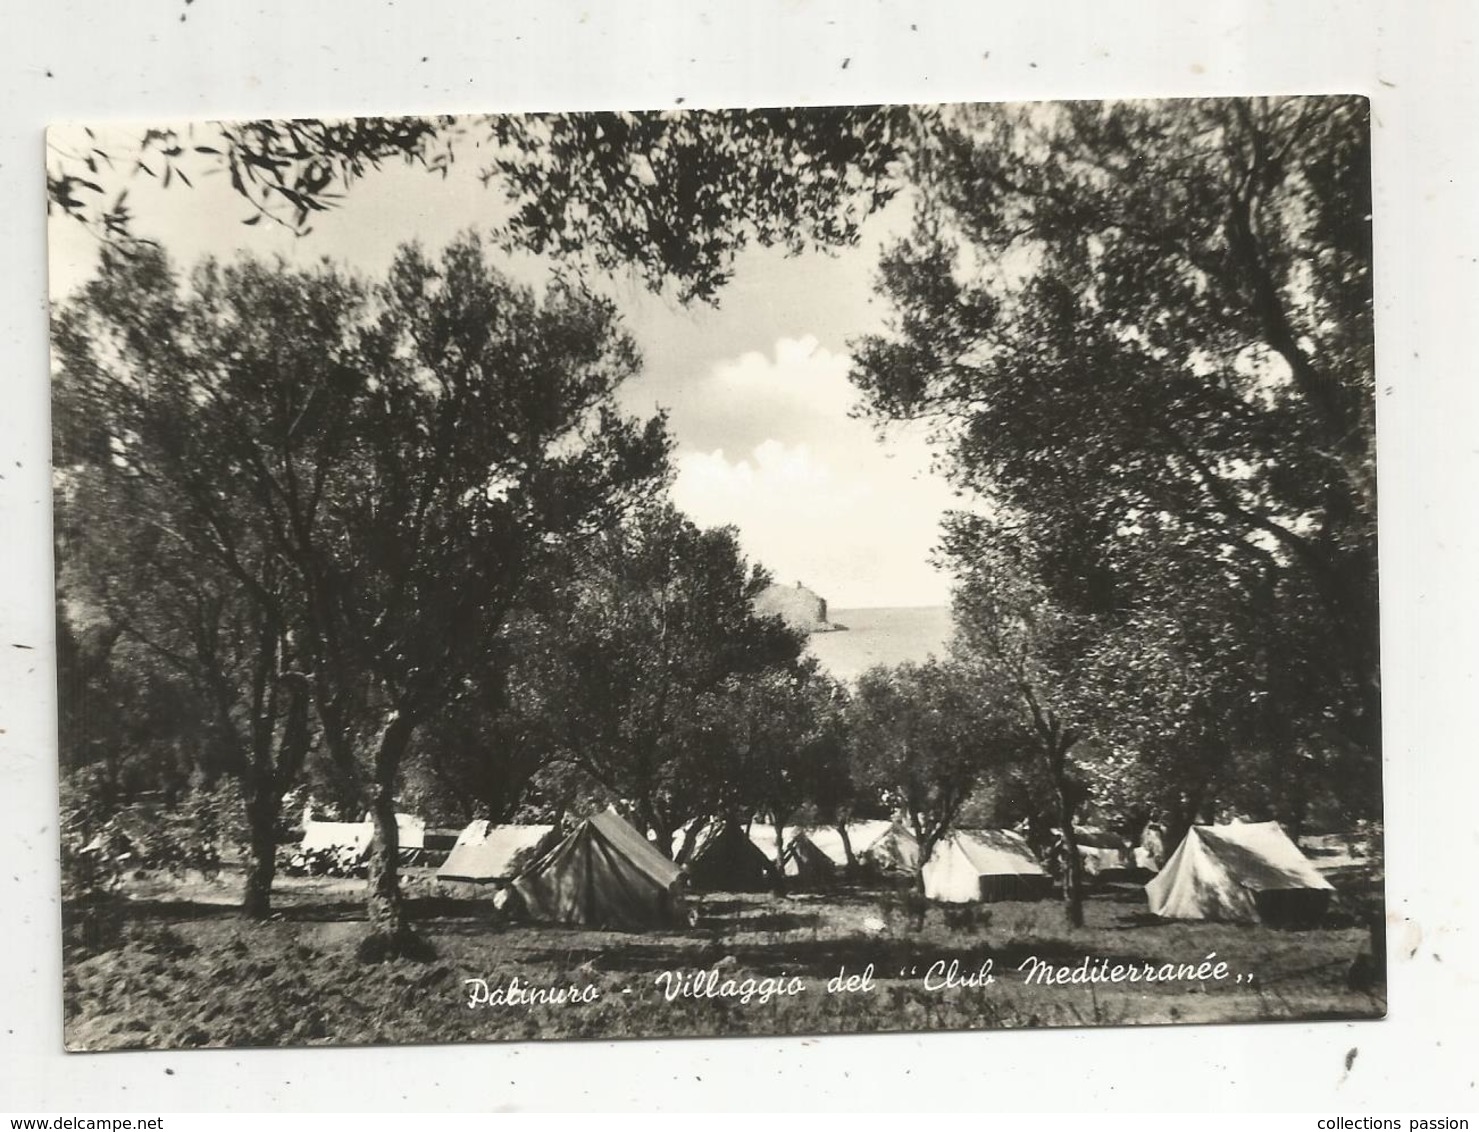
x=659, y=616
x=778, y=743
x=673, y=195
x=399, y=460
x=481, y=437
x=120, y=708
x=161, y=538
x=922, y=737
x=482, y=757
x=1031, y=652
x=1185, y=693
x=1146, y=328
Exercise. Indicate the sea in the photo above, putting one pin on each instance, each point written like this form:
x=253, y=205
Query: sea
x=893, y=635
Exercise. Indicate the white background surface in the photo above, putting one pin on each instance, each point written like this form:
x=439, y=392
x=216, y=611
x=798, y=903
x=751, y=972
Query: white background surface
x=1416, y=60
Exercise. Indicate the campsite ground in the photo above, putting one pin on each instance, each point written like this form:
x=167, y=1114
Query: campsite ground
x=171, y=964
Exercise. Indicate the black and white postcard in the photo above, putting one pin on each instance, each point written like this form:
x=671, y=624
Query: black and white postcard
x=697, y=573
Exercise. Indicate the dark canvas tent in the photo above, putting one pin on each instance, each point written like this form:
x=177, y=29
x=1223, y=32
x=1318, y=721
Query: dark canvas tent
x=605, y=874
x=1244, y=872
x=724, y=859
x=494, y=854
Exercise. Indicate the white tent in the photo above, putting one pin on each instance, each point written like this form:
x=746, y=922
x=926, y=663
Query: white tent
x=1243, y=872
x=764, y=838
x=896, y=850
x=807, y=862
x=341, y=835
x=1103, y=854
x=494, y=854
x=983, y=864
x=828, y=838
x=412, y=830
x=605, y=875
x=829, y=841
x=352, y=840
x=877, y=845
x=804, y=860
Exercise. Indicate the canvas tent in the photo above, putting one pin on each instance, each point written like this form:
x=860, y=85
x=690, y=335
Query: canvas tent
x=412, y=837
x=878, y=846
x=1244, y=872
x=860, y=835
x=1152, y=848
x=984, y=864
x=762, y=836
x=412, y=830
x=803, y=860
x=494, y=854
x=333, y=846
x=351, y=841
x=1103, y=854
x=806, y=862
x=829, y=841
x=349, y=837
x=724, y=859
x=604, y=874
x=896, y=850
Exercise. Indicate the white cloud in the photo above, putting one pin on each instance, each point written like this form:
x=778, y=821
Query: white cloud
x=791, y=477
x=766, y=445
x=799, y=393
x=801, y=378
x=858, y=534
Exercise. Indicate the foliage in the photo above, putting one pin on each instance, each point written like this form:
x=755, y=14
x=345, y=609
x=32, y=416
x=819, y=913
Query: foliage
x=307, y=462
x=485, y=751
x=1146, y=330
x=165, y=542
x=284, y=170
x=923, y=738
x=657, y=620
x=671, y=195
x=776, y=742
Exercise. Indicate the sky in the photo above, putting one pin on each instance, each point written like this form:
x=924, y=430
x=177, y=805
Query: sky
x=756, y=390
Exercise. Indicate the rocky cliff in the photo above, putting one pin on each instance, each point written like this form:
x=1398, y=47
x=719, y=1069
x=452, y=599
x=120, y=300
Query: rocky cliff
x=797, y=606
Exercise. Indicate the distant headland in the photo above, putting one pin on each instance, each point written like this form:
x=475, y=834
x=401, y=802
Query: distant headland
x=798, y=607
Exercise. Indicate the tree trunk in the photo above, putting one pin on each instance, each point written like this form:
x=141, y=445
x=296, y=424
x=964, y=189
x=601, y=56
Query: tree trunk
x=780, y=858
x=916, y=903
x=927, y=846
x=262, y=804
x=385, y=907
x=663, y=835
x=847, y=853
x=390, y=931
x=1073, y=889
x=1180, y=818
x=263, y=791
x=690, y=835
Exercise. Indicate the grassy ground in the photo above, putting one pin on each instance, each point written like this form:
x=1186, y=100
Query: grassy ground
x=173, y=965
